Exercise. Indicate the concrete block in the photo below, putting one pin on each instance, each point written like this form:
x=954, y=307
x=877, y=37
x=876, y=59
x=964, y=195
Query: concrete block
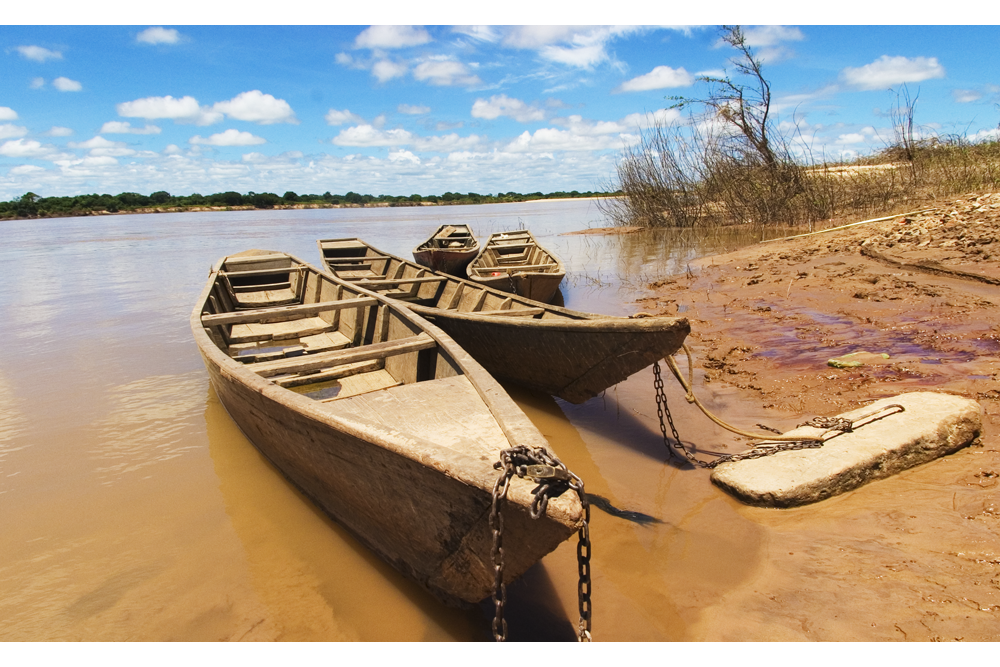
x=932, y=425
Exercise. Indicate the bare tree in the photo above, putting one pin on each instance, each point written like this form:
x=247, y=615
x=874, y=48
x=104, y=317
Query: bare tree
x=744, y=107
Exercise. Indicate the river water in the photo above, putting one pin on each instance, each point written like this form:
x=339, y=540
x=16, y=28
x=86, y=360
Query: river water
x=132, y=507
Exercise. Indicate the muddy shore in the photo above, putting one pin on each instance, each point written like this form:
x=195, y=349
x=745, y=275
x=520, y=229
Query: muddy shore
x=915, y=557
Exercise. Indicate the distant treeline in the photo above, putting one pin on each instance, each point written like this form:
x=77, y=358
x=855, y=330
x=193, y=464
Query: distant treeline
x=31, y=205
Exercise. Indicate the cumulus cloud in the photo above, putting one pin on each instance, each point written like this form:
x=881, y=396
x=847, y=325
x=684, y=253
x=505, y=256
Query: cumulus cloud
x=36, y=83
x=482, y=33
x=501, y=105
x=57, y=131
x=26, y=148
x=6, y=113
x=413, y=109
x=659, y=77
x=966, y=96
x=65, y=85
x=181, y=110
x=891, y=71
x=9, y=131
x=369, y=135
x=124, y=127
x=228, y=138
x=550, y=139
x=38, y=53
x=101, y=147
x=335, y=117
x=403, y=156
x=257, y=107
x=771, y=35
x=439, y=72
x=25, y=169
x=446, y=143
x=158, y=36
x=385, y=70
x=391, y=37
x=577, y=46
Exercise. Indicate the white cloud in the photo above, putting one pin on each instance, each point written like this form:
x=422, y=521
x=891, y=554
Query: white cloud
x=257, y=107
x=550, y=139
x=403, y=156
x=577, y=46
x=537, y=36
x=344, y=59
x=158, y=36
x=578, y=56
x=483, y=33
x=65, y=85
x=6, y=113
x=642, y=121
x=413, y=109
x=659, y=77
x=992, y=134
x=36, y=83
x=335, y=117
x=26, y=148
x=384, y=70
x=440, y=72
x=771, y=35
x=181, y=110
x=368, y=135
x=9, y=131
x=391, y=37
x=57, y=131
x=101, y=147
x=172, y=149
x=229, y=138
x=254, y=157
x=39, y=53
x=501, y=105
x=25, y=169
x=890, y=71
x=446, y=143
x=852, y=138
x=124, y=127
x=966, y=96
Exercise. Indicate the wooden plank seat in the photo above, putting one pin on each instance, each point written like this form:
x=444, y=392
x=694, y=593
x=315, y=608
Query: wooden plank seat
x=337, y=372
x=260, y=272
x=400, y=281
x=266, y=298
x=285, y=312
x=322, y=360
x=256, y=331
x=515, y=267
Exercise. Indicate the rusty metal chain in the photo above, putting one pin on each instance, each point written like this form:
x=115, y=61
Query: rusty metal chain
x=553, y=479
x=836, y=425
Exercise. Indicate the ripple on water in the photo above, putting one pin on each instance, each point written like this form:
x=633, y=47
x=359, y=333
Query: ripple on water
x=148, y=423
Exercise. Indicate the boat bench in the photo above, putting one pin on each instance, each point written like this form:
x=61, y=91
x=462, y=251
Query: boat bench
x=351, y=355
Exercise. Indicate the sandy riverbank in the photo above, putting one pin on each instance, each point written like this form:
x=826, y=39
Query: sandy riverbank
x=918, y=555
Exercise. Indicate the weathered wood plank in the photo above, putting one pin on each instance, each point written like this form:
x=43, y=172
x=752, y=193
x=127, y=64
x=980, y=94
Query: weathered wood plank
x=399, y=281
x=422, y=341
x=274, y=314
x=330, y=374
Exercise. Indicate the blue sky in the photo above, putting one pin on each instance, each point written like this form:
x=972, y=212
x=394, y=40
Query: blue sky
x=427, y=109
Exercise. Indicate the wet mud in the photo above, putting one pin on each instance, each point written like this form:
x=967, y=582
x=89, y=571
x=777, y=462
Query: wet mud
x=912, y=558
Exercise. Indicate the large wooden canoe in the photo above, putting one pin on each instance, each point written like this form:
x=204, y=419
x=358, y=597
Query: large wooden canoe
x=449, y=250
x=377, y=416
x=559, y=351
x=514, y=262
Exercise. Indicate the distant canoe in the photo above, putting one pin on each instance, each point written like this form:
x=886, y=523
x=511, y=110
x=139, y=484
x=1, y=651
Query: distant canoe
x=558, y=351
x=514, y=262
x=449, y=249
x=377, y=416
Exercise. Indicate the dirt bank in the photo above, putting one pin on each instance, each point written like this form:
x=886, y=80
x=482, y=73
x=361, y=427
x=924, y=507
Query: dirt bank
x=917, y=556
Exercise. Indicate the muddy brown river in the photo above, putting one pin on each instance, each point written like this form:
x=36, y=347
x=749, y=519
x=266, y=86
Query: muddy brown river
x=132, y=507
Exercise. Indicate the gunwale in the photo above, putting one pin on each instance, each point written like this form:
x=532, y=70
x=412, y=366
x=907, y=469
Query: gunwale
x=447, y=260
x=570, y=354
x=535, y=272
x=309, y=441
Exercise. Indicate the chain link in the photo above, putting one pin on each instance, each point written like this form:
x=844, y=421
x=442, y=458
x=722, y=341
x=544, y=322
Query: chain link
x=836, y=425
x=553, y=479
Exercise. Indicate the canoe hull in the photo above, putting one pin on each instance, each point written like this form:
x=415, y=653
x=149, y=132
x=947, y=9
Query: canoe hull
x=452, y=262
x=574, y=360
x=535, y=286
x=421, y=506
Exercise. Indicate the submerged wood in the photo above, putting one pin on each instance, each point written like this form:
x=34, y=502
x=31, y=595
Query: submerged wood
x=376, y=415
x=449, y=250
x=559, y=351
x=514, y=262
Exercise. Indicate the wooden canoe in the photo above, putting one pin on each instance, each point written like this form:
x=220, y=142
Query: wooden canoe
x=514, y=262
x=377, y=416
x=449, y=250
x=559, y=351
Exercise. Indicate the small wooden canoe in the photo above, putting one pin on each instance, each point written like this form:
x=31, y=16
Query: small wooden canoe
x=559, y=351
x=377, y=416
x=449, y=250
x=514, y=262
